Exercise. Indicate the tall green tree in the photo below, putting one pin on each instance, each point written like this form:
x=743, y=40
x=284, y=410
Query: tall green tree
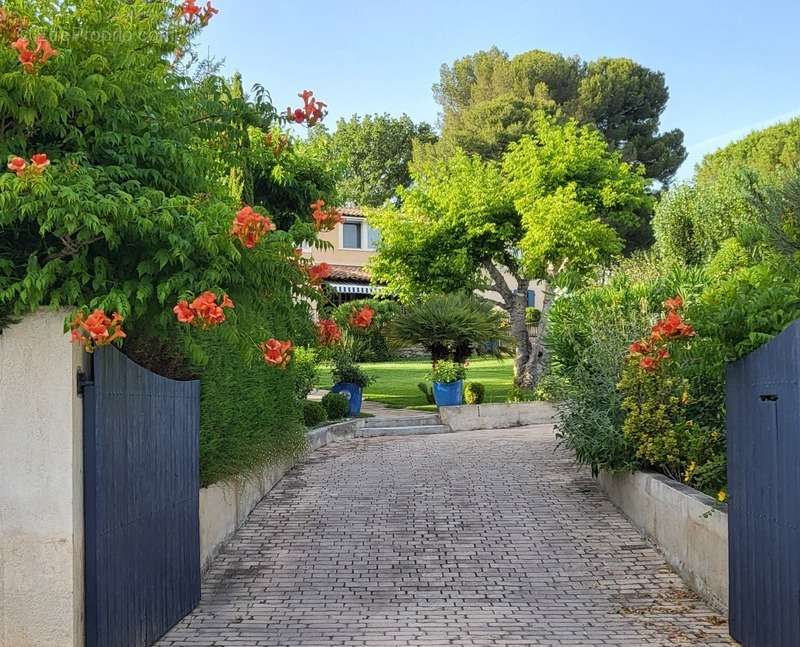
x=556, y=207
x=764, y=152
x=489, y=100
x=694, y=221
x=372, y=154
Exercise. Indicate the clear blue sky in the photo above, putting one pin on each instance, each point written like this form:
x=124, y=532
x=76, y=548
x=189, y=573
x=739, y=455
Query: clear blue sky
x=730, y=66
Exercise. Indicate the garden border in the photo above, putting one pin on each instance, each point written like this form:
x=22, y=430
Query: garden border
x=689, y=527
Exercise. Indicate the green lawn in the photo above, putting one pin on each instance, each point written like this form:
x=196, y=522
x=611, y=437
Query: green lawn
x=396, y=382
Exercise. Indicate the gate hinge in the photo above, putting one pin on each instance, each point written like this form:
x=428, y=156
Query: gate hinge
x=83, y=381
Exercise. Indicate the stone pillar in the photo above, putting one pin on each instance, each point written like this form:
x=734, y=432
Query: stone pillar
x=41, y=485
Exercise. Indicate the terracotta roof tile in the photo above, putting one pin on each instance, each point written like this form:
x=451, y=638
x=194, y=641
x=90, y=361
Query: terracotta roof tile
x=351, y=273
x=351, y=211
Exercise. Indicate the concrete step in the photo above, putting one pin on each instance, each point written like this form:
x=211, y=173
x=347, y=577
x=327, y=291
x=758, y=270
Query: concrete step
x=408, y=421
x=368, y=432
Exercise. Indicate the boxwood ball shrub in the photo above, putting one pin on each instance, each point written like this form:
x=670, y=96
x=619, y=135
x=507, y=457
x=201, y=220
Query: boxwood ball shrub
x=474, y=393
x=336, y=405
x=313, y=413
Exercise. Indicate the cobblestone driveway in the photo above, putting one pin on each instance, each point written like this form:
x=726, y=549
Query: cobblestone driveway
x=477, y=538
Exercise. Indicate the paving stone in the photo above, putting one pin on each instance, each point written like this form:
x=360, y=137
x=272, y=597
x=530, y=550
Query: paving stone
x=484, y=538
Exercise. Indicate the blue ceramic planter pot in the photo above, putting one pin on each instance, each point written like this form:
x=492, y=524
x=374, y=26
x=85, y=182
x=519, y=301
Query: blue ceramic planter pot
x=354, y=395
x=448, y=394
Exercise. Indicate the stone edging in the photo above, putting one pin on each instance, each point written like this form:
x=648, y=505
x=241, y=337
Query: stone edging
x=690, y=528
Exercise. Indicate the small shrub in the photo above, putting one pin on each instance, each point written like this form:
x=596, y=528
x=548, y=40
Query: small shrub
x=336, y=405
x=474, y=393
x=314, y=413
x=674, y=414
x=427, y=391
x=306, y=372
x=588, y=337
x=518, y=394
x=446, y=371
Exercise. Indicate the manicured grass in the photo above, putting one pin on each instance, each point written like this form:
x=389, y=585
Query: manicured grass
x=396, y=382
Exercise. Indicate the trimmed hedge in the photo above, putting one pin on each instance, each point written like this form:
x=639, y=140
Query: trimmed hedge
x=336, y=405
x=313, y=413
x=249, y=413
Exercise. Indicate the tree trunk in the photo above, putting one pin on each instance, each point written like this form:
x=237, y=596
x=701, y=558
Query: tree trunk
x=537, y=358
x=462, y=352
x=519, y=330
x=439, y=352
x=515, y=303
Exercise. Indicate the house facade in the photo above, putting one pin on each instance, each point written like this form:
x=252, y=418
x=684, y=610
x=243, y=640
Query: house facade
x=353, y=242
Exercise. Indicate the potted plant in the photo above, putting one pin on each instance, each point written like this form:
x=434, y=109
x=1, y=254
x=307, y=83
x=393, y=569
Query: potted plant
x=448, y=383
x=349, y=379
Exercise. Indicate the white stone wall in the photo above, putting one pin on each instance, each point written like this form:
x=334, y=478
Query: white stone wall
x=41, y=486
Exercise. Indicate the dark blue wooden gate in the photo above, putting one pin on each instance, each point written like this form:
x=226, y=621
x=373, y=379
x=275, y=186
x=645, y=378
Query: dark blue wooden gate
x=141, y=497
x=763, y=409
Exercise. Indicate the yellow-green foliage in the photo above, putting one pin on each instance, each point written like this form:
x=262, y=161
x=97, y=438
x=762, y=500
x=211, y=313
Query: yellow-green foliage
x=763, y=151
x=730, y=256
x=691, y=222
x=655, y=417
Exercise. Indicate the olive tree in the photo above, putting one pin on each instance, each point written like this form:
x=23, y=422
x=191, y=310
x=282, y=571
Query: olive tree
x=557, y=206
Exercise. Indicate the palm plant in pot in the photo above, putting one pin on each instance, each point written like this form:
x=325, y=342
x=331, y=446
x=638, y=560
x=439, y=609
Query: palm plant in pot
x=448, y=383
x=450, y=326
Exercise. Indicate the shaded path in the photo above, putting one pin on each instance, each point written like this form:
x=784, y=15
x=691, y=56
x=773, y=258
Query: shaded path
x=476, y=538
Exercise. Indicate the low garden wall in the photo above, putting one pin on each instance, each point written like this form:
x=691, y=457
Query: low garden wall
x=225, y=506
x=469, y=417
x=687, y=525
